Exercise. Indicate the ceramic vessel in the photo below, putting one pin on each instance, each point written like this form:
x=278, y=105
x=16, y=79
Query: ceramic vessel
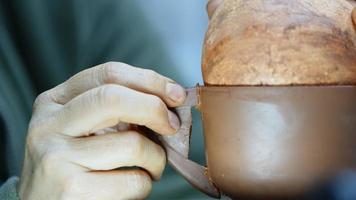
x=267, y=142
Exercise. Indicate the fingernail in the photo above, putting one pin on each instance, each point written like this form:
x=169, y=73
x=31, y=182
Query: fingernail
x=173, y=120
x=175, y=92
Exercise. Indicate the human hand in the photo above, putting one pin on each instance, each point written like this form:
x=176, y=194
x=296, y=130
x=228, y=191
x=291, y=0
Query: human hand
x=84, y=129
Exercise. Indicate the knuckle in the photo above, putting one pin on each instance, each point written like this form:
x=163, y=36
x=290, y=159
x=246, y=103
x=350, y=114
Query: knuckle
x=110, y=64
x=109, y=71
x=151, y=73
x=152, y=77
x=40, y=99
x=109, y=94
x=31, y=142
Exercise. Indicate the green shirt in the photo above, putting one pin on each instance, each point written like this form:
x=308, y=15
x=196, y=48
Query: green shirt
x=43, y=43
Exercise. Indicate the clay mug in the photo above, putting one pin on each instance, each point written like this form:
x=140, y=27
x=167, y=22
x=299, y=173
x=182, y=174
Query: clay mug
x=279, y=103
x=267, y=142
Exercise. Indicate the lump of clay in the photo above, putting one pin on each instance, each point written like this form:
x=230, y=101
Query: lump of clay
x=279, y=42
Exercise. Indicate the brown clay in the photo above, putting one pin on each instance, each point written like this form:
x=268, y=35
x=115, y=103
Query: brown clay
x=270, y=142
x=277, y=142
x=277, y=42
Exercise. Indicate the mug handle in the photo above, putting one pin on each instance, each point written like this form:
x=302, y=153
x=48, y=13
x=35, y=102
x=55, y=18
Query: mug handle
x=177, y=148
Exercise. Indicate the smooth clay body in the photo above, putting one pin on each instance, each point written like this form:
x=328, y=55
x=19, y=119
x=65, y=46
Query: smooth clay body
x=277, y=42
x=271, y=143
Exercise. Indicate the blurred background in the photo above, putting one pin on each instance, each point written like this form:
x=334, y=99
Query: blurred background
x=181, y=26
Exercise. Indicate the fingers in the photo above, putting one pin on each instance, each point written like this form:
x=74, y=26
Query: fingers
x=212, y=6
x=116, y=184
x=143, y=80
x=108, y=105
x=115, y=150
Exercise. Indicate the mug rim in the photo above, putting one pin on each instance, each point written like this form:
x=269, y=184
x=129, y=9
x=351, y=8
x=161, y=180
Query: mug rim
x=276, y=86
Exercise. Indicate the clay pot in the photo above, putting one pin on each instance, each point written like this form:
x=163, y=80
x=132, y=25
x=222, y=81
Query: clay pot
x=276, y=42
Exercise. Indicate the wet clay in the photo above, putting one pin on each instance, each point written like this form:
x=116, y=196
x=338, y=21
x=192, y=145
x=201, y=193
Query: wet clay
x=276, y=42
x=277, y=142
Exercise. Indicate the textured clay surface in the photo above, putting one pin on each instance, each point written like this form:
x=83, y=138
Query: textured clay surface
x=278, y=42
